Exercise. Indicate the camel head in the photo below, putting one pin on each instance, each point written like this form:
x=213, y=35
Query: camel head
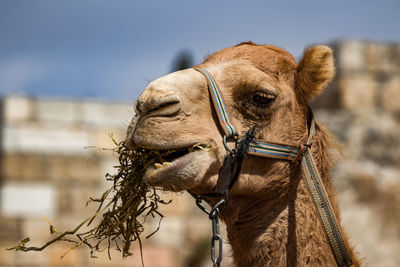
x=260, y=85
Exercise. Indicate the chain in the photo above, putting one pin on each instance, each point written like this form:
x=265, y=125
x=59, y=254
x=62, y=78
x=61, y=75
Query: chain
x=227, y=176
x=213, y=213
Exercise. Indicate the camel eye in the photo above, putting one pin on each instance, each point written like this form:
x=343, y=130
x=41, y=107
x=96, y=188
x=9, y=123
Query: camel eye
x=262, y=99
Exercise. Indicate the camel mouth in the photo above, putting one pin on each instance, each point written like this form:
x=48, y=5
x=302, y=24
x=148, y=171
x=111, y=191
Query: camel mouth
x=178, y=169
x=168, y=156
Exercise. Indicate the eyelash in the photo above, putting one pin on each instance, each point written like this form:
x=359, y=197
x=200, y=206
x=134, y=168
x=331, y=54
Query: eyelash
x=262, y=99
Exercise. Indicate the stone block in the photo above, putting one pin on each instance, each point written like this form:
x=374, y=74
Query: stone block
x=358, y=93
x=28, y=199
x=328, y=99
x=37, y=229
x=41, y=167
x=74, y=170
x=351, y=56
x=72, y=200
x=11, y=167
x=24, y=167
x=58, y=111
x=102, y=114
x=338, y=122
x=10, y=229
x=37, y=138
x=390, y=95
x=17, y=109
x=58, y=168
x=379, y=58
x=64, y=222
x=381, y=141
x=365, y=215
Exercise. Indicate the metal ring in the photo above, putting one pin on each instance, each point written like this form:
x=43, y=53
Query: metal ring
x=226, y=146
x=217, y=208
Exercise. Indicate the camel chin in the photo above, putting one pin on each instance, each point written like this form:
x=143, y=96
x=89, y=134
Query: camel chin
x=182, y=173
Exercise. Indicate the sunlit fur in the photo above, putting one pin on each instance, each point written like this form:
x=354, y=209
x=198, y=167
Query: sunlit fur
x=315, y=71
x=270, y=219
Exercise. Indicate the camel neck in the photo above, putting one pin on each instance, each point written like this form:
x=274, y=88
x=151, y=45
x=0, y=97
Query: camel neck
x=284, y=232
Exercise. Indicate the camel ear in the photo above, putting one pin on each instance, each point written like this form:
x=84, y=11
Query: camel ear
x=314, y=72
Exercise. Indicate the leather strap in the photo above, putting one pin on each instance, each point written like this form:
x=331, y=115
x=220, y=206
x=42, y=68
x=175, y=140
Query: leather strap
x=324, y=208
x=219, y=104
x=272, y=150
x=293, y=153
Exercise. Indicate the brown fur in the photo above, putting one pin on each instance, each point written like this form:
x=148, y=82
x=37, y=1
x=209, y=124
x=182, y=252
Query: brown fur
x=270, y=219
x=314, y=72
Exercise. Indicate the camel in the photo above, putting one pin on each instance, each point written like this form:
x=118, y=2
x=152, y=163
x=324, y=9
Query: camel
x=270, y=217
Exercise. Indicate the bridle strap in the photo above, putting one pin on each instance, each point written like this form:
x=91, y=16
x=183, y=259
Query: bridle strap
x=292, y=153
x=324, y=208
x=258, y=147
x=272, y=150
x=219, y=104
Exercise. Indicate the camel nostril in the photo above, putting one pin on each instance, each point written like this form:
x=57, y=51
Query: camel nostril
x=164, y=106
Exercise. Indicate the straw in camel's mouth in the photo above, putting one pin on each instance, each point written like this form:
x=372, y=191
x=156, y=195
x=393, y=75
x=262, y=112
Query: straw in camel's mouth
x=169, y=156
x=177, y=169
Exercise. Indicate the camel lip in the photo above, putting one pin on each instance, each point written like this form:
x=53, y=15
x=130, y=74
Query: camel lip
x=206, y=145
x=172, y=154
x=174, y=162
x=169, y=154
x=178, y=164
x=158, y=173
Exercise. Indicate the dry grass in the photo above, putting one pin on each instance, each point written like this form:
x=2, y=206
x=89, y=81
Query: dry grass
x=122, y=209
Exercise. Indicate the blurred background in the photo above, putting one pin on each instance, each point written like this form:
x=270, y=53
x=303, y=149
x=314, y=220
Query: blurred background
x=71, y=70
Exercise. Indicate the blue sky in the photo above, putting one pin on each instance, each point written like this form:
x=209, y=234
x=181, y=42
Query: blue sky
x=110, y=49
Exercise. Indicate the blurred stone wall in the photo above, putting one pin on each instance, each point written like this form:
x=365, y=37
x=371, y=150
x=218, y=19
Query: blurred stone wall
x=362, y=108
x=52, y=161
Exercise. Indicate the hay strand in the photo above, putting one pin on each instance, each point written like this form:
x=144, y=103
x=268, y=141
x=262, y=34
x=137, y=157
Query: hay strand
x=122, y=209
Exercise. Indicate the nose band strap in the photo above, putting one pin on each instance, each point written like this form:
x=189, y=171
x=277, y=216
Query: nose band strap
x=272, y=150
x=222, y=113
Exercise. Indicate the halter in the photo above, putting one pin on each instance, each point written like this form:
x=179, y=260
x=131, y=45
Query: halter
x=292, y=153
